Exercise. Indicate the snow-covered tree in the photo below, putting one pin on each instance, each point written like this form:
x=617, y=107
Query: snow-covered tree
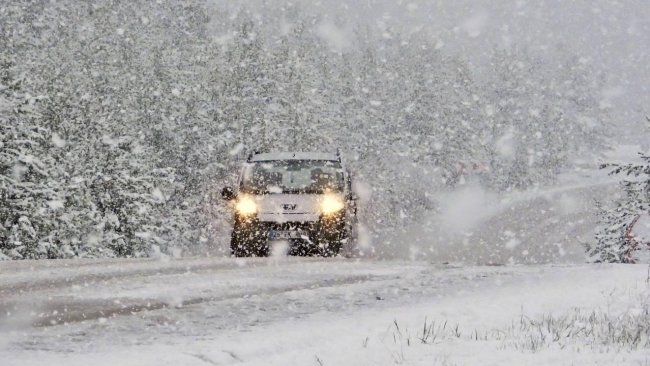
x=30, y=190
x=611, y=243
x=540, y=111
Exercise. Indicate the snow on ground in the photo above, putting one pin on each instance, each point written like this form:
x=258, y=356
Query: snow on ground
x=541, y=225
x=305, y=311
x=540, y=304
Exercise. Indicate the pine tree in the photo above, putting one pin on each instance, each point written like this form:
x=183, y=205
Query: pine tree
x=30, y=193
x=611, y=244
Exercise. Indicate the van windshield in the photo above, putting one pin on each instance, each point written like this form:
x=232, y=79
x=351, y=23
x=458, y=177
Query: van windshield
x=292, y=176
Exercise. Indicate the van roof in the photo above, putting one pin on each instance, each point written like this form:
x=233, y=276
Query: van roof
x=294, y=156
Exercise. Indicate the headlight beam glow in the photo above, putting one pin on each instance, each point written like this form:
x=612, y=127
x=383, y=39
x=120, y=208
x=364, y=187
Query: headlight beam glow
x=246, y=206
x=331, y=204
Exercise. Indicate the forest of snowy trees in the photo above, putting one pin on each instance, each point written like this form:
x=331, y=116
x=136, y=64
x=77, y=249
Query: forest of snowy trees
x=120, y=120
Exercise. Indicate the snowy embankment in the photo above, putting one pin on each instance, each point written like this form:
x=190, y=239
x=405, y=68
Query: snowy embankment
x=472, y=225
x=314, y=311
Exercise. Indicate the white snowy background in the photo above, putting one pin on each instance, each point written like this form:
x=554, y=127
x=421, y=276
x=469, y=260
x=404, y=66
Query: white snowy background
x=474, y=128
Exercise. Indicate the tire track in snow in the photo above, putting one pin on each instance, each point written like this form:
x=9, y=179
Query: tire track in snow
x=62, y=312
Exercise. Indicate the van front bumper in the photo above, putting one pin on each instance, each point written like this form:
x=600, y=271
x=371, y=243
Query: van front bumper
x=318, y=228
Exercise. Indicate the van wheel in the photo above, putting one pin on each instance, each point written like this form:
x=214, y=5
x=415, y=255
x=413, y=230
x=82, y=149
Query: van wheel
x=238, y=248
x=331, y=248
x=246, y=244
x=248, y=249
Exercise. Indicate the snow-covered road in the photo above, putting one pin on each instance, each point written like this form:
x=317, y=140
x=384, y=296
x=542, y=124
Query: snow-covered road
x=202, y=311
x=545, y=225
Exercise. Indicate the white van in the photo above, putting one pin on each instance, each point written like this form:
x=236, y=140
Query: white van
x=303, y=198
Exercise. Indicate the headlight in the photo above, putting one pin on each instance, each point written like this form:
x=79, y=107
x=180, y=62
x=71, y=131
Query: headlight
x=246, y=205
x=331, y=204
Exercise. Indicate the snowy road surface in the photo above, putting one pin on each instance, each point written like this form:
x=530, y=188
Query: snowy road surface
x=302, y=311
x=547, y=225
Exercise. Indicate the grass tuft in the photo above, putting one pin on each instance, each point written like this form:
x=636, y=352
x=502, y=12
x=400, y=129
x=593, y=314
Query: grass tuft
x=577, y=330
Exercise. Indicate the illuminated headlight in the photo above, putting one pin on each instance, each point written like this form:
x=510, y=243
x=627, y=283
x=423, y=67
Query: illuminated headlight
x=331, y=204
x=246, y=206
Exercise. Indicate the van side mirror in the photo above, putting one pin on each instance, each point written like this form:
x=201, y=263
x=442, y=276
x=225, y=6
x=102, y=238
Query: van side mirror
x=228, y=194
x=352, y=196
